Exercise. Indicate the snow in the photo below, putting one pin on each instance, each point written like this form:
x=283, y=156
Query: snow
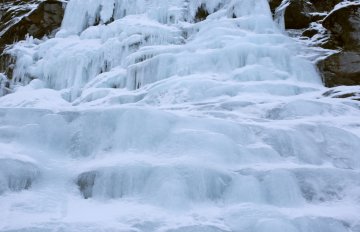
x=345, y=4
x=138, y=117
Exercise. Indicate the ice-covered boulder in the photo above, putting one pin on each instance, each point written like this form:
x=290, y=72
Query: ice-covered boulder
x=16, y=175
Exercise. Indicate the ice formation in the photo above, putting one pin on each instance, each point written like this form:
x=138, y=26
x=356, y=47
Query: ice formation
x=140, y=115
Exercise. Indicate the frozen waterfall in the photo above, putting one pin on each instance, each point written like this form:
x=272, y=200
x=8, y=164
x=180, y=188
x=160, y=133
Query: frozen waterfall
x=174, y=116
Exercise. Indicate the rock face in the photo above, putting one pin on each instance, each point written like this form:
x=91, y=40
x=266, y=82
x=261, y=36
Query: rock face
x=324, y=5
x=298, y=14
x=331, y=24
x=29, y=17
x=344, y=24
x=20, y=18
x=341, y=68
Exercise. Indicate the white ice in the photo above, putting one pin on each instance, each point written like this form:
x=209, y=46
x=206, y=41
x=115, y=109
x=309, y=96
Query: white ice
x=138, y=116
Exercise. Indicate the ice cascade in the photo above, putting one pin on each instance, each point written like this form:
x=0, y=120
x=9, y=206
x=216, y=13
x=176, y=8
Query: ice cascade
x=174, y=116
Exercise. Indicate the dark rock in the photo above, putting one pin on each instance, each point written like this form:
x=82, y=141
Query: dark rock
x=339, y=92
x=86, y=182
x=21, y=18
x=298, y=14
x=331, y=44
x=344, y=24
x=310, y=32
x=346, y=95
x=274, y=4
x=324, y=5
x=18, y=22
x=342, y=68
x=340, y=31
x=201, y=14
x=11, y=12
x=316, y=17
x=322, y=38
x=7, y=64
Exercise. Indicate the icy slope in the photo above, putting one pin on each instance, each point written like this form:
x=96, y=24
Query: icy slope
x=139, y=116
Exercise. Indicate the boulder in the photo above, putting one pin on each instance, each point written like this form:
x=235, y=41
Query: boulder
x=342, y=68
x=324, y=5
x=298, y=14
x=310, y=32
x=344, y=24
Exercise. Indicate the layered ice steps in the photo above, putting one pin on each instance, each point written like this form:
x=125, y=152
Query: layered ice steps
x=144, y=116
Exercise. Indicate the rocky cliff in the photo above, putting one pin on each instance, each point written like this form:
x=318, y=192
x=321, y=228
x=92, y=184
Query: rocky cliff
x=18, y=19
x=329, y=24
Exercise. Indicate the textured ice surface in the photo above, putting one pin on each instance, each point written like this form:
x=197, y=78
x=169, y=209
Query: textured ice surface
x=140, y=116
x=16, y=175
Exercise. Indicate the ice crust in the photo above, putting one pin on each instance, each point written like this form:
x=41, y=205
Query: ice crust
x=139, y=117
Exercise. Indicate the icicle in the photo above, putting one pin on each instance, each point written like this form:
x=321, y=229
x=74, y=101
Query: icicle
x=280, y=14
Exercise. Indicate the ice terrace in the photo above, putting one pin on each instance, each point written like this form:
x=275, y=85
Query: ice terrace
x=141, y=116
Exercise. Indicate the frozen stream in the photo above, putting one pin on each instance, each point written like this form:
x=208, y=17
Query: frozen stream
x=141, y=117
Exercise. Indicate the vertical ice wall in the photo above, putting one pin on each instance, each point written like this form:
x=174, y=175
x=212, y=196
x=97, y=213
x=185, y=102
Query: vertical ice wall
x=154, y=115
